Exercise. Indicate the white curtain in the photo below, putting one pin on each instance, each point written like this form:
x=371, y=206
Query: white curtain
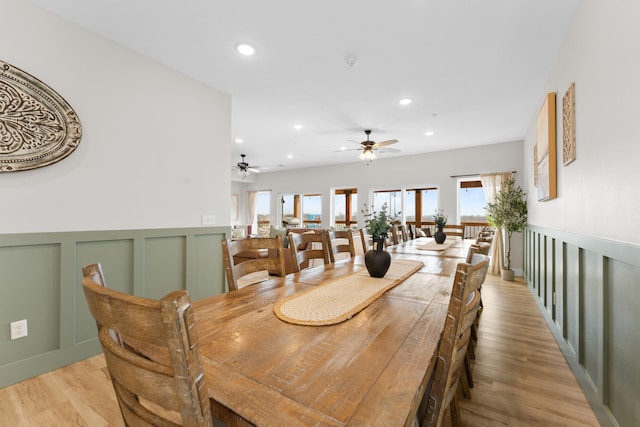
x=492, y=183
x=251, y=211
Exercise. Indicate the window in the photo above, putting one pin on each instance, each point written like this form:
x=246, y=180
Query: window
x=263, y=212
x=393, y=199
x=290, y=209
x=312, y=210
x=472, y=202
x=345, y=208
x=421, y=205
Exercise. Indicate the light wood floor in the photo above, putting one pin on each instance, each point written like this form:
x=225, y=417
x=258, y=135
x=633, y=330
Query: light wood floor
x=521, y=377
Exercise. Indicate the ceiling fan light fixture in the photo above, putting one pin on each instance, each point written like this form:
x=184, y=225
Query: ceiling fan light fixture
x=245, y=49
x=243, y=173
x=367, y=155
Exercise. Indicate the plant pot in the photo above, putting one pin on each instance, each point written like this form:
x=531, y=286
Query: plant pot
x=439, y=236
x=508, y=275
x=377, y=260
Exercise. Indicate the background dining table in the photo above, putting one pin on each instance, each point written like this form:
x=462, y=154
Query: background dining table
x=371, y=369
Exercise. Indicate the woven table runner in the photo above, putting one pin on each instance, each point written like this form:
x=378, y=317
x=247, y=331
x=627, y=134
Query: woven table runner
x=340, y=299
x=433, y=246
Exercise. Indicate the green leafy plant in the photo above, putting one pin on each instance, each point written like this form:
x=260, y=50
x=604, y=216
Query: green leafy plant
x=440, y=219
x=378, y=223
x=508, y=213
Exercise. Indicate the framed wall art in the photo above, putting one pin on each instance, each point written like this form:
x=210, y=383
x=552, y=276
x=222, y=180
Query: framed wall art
x=569, y=126
x=546, y=148
x=37, y=126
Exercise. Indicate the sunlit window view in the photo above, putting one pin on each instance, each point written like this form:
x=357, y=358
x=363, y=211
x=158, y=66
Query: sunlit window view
x=393, y=199
x=345, y=208
x=472, y=202
x=263, y=209
x=312, y=210
x=419, y=204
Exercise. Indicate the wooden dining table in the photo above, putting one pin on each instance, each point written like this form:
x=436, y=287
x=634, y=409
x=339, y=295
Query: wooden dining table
x=371, y=369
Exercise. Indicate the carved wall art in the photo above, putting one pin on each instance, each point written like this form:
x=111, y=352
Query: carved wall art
x=569, y=125
x=37, y=126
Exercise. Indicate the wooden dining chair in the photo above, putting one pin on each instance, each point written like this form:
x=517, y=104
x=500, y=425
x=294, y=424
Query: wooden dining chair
x=364, y=239
x=403, y=232
x=461, y=312
x=167, y=390
x=455, y=230
x=359, y=241
x=341, y=243
x=306, y=247
x=475, y=255
x=411, y=231
x=249, y=261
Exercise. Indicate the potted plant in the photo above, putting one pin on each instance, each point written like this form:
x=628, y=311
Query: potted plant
x=378, y=224
x=441, y=220
x=509, y=215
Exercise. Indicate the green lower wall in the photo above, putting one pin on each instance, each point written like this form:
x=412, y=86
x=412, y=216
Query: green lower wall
x=40, y=278
x=589, y=292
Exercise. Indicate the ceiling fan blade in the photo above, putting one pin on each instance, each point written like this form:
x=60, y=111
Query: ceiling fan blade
x=348, y=149
x=253, y=169
x=384, y=143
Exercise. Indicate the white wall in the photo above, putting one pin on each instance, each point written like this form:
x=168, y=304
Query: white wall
x=431, y=169
x=155, y=146
x=598, y=193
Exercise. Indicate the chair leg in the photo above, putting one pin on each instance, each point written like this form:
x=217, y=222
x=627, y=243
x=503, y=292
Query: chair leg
x=464, y=385
x=456, y=421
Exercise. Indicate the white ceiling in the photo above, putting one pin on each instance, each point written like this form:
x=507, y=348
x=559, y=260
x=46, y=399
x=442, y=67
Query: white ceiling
x=475, y=69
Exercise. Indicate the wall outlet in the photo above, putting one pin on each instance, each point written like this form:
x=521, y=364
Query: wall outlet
x=19, y=329
x=208, y=220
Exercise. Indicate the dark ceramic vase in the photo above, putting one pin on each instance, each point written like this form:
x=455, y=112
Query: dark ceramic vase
x=439, y=236
x=377, y=260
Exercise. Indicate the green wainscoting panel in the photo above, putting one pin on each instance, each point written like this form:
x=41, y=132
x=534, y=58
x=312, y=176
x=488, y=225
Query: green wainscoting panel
x=622, y=349
x=208, y=263
x=591, y=315
x=596, y=315
x=41, y=280
x=116, y=258
x=164, y=266
x=30, y=277
x=572, y=297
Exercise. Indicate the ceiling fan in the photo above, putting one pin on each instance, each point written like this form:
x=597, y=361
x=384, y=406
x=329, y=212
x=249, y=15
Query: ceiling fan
x=369, y=148
x=244, y=168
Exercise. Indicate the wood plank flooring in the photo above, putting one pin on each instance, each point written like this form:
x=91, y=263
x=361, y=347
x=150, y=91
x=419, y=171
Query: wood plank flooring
x=521, y=377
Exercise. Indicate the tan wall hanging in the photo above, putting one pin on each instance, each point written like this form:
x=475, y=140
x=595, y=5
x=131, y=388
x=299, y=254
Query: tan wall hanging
x=37, y=126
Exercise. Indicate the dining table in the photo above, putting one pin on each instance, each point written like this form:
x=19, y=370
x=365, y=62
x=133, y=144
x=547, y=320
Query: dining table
x=371, y=368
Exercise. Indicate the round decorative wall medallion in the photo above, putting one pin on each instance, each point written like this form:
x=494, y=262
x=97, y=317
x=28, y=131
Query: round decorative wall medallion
x=37, y=126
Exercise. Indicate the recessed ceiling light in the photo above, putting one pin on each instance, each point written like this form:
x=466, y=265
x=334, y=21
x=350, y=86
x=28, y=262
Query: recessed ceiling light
x=343, y=148
x=297, y=126
x=429, y=133
x=289, y=156
x=245, y=49
x=406, y=101
x=239, y=140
